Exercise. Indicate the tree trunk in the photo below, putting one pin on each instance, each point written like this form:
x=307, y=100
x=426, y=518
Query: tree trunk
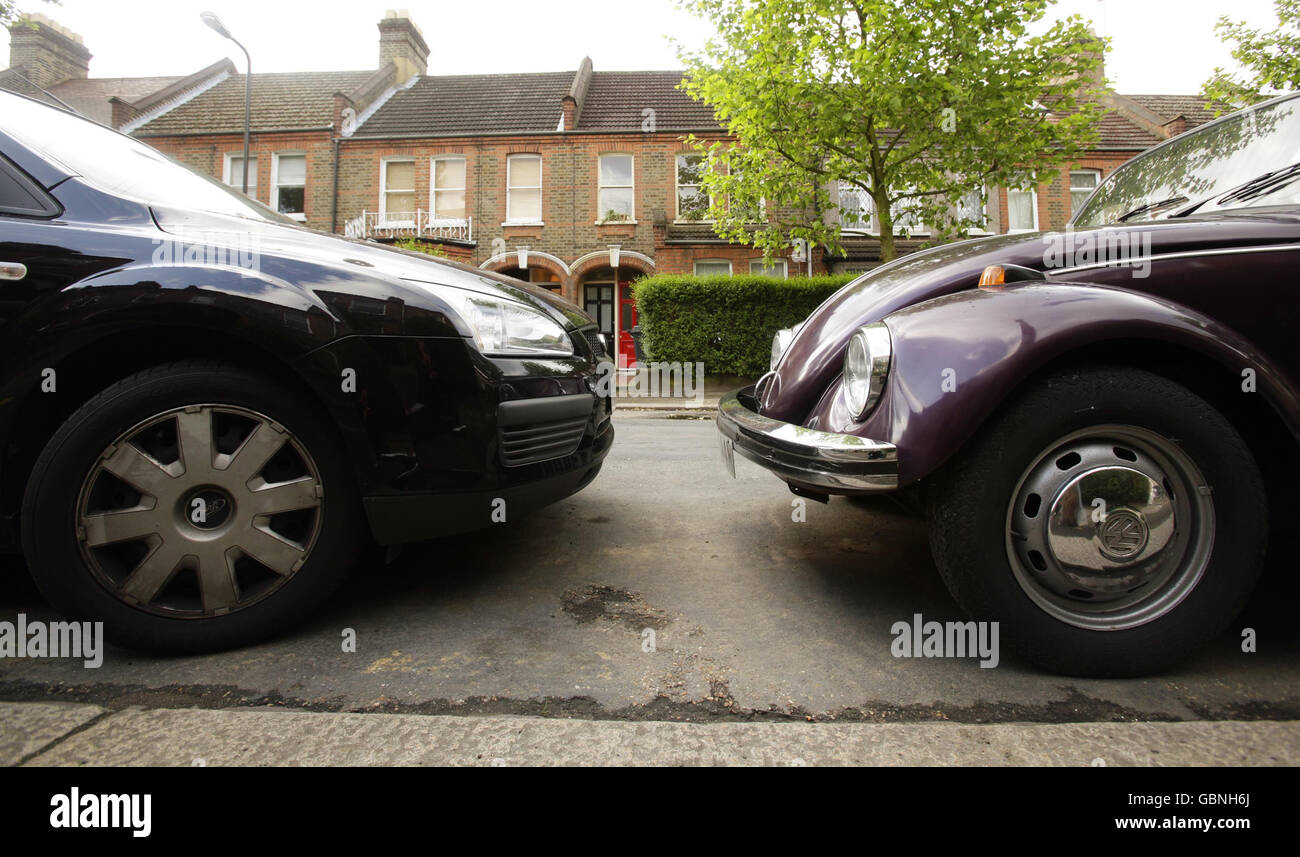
x=885, y=219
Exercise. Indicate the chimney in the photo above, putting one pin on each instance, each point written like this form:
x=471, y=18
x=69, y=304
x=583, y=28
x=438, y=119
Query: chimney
x=401, y=42
x=46, y=53
x=1094, y=46
x=577, y=95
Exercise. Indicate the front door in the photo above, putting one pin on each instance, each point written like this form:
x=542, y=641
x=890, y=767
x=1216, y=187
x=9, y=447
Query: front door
x=598, y=300
x=627, y=320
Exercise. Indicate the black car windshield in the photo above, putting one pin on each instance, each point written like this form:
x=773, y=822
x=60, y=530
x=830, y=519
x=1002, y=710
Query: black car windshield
x=1200, y=169
x=118, y=164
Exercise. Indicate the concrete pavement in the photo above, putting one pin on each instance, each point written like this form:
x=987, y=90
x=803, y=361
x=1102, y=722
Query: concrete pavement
x=188, y=737
x=757, y=620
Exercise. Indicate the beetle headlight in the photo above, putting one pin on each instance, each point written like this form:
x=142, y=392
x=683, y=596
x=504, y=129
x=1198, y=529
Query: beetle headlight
x=510, y=329
x=781, y=342
x=866, y=366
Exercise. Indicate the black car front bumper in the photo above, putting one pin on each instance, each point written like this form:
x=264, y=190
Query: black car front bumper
x=398, y=518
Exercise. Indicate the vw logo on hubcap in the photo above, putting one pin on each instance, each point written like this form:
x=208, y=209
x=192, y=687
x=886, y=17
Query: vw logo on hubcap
x=1122, y=535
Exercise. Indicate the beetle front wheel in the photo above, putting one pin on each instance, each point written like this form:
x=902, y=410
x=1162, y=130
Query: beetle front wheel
x=1110, y=520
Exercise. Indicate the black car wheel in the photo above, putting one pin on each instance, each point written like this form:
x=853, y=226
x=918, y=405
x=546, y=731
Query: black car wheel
x=1110, y=520
x=191, y=507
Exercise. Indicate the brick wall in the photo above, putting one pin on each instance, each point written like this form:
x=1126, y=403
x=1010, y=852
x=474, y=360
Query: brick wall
x=570, y=190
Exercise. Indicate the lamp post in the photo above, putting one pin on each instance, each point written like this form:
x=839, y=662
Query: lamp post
x=211, y=19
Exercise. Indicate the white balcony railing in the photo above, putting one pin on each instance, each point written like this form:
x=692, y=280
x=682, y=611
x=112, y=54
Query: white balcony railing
x=413, y=224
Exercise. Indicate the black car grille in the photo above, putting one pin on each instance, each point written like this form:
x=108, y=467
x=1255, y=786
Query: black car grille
x=597, y=344
x=530, y=443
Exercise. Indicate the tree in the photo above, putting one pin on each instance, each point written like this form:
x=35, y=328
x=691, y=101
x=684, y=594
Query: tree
x=915, y=103
x=1271, y=59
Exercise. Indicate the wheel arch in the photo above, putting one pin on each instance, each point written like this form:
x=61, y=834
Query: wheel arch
x=84, y=371
x=992, y=346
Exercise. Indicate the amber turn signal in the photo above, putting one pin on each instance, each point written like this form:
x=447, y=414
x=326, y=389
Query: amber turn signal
x=993, y=277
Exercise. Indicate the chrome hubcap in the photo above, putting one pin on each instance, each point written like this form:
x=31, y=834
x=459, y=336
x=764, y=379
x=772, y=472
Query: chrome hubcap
x=1110, y=528
x=200, y=511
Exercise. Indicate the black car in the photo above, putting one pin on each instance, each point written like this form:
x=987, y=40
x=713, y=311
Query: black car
x=205, y=408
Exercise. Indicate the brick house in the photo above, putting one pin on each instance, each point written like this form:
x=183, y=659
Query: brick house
x=578, y=181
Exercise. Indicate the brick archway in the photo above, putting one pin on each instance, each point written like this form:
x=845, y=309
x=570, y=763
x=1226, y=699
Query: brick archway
x=583, y=265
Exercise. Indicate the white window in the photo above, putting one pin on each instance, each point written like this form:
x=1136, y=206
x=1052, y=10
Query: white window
x=692, y=201
x=1022, y=210
x=712, y=267
x=775, y=268
x=858, y=213
x=858, y=209
x=397, y=197
x=616, y=199
x=907, y=220
x=524, y=189
x=971, y=209
x=289, y=185
x=235, y=173
x=1082, y=184
x=447, y=188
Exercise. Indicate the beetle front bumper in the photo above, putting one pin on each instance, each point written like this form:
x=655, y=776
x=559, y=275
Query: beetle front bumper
x=804, y=457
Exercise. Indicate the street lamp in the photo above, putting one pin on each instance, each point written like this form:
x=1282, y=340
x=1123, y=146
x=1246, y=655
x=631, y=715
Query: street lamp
x=211, y=19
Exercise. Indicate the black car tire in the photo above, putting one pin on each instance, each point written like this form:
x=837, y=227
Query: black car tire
x=973, y=514
x=245, y=601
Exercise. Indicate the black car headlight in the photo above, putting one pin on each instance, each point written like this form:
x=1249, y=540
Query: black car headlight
x=509, y=329
x=866, y=367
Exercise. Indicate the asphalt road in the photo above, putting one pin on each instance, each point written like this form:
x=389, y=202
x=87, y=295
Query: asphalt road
x=755, y=617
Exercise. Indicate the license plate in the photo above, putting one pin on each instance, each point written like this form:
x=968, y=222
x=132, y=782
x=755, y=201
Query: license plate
x=728, y=455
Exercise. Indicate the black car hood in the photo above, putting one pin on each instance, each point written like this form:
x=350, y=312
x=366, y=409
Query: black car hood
x=305, y=245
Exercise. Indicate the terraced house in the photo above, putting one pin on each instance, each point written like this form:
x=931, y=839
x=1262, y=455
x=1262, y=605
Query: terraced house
x=579, y=180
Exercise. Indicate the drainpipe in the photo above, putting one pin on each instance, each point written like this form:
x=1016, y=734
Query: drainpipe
x=334, y=191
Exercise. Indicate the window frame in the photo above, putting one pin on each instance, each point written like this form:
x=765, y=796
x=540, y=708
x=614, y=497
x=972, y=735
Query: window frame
x=677, y=190
x=695, y=267
x=384, y=190
x=601, y=220
x=275, y=184
x=783, y=263
x=1093, y=171
x=434, y=216
x=510, y=188
x=1033, y=206
x=228, y=172
x=984, y=210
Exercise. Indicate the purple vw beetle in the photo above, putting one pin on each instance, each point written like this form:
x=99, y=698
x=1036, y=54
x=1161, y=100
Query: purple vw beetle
x=1097, y=422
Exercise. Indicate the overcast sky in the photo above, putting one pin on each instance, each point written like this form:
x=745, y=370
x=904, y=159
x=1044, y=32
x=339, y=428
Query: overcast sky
x=1158, y=46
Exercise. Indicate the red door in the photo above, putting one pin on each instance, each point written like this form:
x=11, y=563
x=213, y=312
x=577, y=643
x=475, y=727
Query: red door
x=627, y=319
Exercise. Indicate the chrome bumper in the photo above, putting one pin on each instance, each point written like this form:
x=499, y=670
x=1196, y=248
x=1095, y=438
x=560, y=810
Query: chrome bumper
x=835, y=463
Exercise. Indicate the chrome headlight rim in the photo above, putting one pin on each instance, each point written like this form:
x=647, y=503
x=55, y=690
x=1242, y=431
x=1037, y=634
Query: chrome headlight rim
x=867, y=359
x=781, y=344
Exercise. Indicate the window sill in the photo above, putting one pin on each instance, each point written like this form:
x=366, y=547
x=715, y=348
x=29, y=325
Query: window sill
x=523, y=223
x=616, y=223
x=299, y=216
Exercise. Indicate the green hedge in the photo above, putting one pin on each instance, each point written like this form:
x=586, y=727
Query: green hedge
x=725, y=322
